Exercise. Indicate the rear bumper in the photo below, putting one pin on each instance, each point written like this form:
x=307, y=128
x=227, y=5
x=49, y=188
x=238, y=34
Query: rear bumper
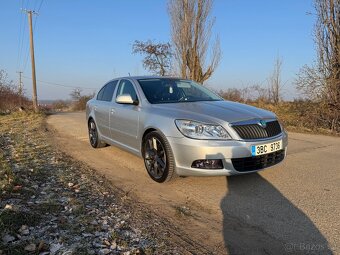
x=187, y=150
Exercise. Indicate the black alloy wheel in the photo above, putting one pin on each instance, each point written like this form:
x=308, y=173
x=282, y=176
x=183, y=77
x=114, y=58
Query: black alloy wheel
x=93, y=135
x=158, y=157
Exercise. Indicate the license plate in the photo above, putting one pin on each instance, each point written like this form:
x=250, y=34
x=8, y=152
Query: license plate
x=266, y=148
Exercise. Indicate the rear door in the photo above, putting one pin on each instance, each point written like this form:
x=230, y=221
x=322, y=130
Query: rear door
x=124, y=119
x=103, y=107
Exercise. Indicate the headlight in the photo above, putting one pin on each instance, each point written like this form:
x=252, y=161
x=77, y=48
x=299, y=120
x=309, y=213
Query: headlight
x=197, y=130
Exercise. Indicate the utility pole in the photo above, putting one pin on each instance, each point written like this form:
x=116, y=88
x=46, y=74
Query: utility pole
x=20, y=83
x=34, y=81
x=20, y=87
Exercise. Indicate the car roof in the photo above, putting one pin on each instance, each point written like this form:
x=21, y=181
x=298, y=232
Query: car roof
x=143, y=77
x=148, y=77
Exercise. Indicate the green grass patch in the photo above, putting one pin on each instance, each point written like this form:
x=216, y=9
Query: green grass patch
x=11, y=220
x=48, y=207
x=14, y=249
x=7, y=178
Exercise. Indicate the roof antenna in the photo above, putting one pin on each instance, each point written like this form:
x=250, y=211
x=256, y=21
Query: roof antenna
x=129, y=74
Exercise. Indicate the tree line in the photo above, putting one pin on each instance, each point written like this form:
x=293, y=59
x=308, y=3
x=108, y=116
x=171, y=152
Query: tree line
x=186, y=56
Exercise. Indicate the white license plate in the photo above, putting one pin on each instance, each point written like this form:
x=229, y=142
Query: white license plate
x=266, y=148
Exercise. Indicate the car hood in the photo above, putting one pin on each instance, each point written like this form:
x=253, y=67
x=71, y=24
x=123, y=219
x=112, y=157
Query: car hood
x=216, y=111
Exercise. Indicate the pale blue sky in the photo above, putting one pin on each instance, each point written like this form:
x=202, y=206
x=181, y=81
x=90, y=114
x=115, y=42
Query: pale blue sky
x=85, y=43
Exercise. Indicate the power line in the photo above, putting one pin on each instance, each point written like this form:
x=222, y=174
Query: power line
x=21, y=34
x=26, y=58
x=60, y=85
x=35, y=4
x=40, y=5
x=25, y=52
x=27, y=4
x=23, y=39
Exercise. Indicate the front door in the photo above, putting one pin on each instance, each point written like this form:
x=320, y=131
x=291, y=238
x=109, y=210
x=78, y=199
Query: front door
x=124, y=120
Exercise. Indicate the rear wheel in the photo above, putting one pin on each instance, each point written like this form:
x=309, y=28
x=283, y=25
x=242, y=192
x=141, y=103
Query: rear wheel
x=158, y=157
x=93, y=135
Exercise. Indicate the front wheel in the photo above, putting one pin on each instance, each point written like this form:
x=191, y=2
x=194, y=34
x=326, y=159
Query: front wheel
x=158, y=157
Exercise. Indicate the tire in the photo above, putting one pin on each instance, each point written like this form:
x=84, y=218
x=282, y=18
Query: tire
x=158, y=157
x=94, y=138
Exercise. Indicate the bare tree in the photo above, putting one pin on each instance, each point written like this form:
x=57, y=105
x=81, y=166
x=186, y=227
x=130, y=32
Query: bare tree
x=327, y=36
x=233, y=94
x=253, y=93
x=311, y=82
x=76, y=94
x=158, y=56
x=275, y=82
x=259, y=93
x=79, y=100
x=321, y=81
x=191, y=31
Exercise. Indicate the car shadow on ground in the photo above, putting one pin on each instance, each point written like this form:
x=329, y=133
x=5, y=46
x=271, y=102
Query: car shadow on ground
x=258, y=219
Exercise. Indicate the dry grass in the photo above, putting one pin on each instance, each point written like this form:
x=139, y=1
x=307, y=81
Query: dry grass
x=298, y=116
x=11, y=124
x=302, y=115
x=53, y=194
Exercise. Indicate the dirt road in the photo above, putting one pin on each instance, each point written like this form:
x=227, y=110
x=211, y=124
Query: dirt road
x=292, y=208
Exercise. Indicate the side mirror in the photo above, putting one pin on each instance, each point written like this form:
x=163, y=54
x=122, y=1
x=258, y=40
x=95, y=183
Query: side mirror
x=125, y=99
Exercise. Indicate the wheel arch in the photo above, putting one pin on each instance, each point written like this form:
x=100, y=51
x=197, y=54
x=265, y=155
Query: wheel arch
x=89, y=119
x=147, y=131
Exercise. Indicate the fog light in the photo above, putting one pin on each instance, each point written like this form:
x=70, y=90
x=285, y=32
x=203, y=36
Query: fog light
x=208, y=164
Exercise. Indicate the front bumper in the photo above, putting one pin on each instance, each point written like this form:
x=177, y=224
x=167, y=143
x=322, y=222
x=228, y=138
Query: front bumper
x=187, y=150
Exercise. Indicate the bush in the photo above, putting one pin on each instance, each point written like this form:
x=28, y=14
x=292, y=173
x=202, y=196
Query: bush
x=10, y=98
x=61, y=105
x=79, y=100
x=297, y=115
x=80, y=104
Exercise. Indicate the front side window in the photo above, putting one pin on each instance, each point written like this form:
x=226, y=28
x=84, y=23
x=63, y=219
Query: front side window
x=167, y=90
x=126, y=88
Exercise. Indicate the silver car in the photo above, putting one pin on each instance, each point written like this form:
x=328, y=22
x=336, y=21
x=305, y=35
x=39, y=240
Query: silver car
x=181, y=128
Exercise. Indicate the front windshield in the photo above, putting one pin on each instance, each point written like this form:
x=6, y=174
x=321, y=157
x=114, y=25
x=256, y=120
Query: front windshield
x=166, y=90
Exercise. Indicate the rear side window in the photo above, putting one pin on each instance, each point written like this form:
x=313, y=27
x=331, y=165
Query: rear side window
x=106, y=93
x=126, y=88
x=100, y=93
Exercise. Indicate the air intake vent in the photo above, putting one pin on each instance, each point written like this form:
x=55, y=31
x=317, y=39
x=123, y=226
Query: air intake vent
x=258, y=162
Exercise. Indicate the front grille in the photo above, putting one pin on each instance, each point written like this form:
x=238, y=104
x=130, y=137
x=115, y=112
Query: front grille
x=258, y=162
x=255, y=131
